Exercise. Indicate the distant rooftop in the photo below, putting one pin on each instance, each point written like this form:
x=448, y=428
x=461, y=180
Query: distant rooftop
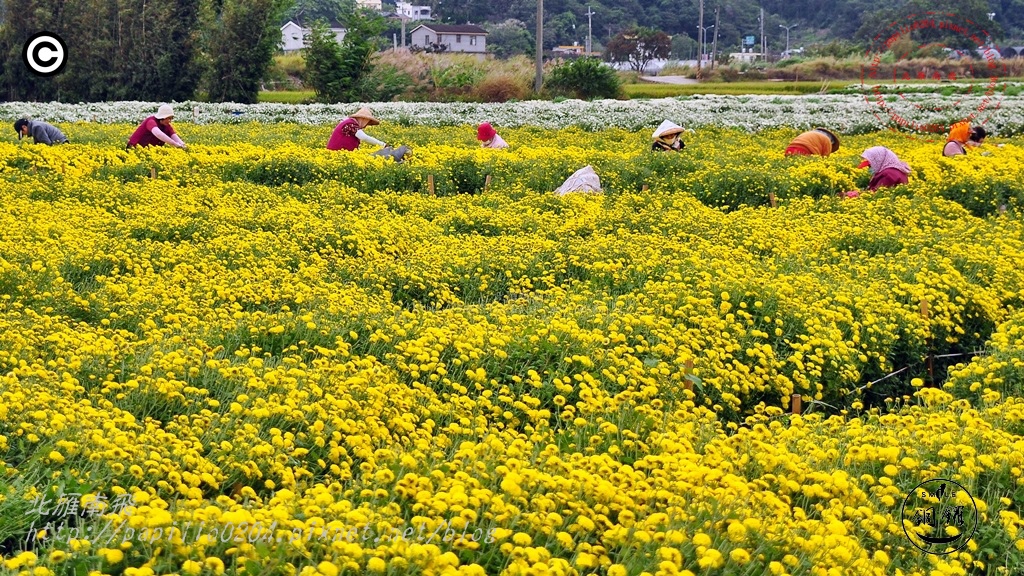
x=455, y=28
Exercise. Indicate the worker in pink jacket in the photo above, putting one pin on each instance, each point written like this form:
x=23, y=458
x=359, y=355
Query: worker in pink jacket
x=157, y=130
x=349, y=133
x=886, y=168
x=488, y=136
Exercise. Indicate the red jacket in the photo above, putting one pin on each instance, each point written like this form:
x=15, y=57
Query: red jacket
x=887, y=177
x=344, y=135
x=143, y=135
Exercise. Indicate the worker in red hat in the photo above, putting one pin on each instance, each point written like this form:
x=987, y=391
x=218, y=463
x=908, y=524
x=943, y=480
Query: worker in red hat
x=488, y=137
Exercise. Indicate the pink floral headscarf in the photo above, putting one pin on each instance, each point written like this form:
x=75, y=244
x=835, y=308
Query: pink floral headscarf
x=881, y=158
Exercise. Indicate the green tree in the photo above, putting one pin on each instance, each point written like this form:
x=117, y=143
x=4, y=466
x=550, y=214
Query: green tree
x=20, y=19
x=584, y=78
x=325, y=70
x=338, y=72
x=683, y=47
x=638, y=47
x=509, y=38
x=242, y=38
x=311, y=10
x=118, y=49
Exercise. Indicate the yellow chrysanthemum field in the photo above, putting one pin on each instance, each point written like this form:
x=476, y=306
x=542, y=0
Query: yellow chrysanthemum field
x=272, y=359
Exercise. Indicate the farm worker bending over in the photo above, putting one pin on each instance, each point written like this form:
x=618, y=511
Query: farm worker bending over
x=886, y=168
x=820, y=142
x=666, y=137
x=488, y=138
x=961, y=135
x=349, y=133
x=157, y=130
x=41, y=132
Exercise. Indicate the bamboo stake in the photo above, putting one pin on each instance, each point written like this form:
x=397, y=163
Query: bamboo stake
x=430, y=183
x=152, y=172
x=931, y=356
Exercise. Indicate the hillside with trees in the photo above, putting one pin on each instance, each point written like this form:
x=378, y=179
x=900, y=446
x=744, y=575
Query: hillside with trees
x=839, y=23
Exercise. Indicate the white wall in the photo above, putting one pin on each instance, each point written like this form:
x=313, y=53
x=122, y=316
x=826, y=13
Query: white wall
x=456, y=42
x=293, y=37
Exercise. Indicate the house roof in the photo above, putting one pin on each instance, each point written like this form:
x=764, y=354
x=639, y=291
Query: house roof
x=452, y=28
x=333, y=24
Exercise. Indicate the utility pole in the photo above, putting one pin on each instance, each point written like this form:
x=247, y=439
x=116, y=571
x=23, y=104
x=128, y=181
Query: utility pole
x=714, y=44
x=700, y=37
x=764, y=46
x=787, y=36
x=538, y=80
x=704, y=44
x=590, y=41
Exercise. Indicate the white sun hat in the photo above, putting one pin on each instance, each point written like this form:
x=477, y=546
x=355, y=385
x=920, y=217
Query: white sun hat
x=667, y=128
x=165, y=111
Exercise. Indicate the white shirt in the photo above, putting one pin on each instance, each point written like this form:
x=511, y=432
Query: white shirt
x=496, y=142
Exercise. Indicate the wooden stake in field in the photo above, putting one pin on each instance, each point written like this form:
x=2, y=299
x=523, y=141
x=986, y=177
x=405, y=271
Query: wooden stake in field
x=644, y=188
x=430, y=183
x=487, y=182
x=771, y=199
x=689, y=370
x=931, y=357
x=152, y=172
x=796, y=404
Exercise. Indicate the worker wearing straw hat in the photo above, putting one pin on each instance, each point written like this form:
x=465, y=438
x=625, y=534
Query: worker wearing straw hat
x=349, y=133
x=666, y=137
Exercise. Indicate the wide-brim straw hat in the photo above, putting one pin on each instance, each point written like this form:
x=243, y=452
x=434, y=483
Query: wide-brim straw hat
x=367, y=115
x=667, y=128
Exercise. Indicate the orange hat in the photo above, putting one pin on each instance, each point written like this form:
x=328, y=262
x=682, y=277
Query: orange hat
x=959, y=132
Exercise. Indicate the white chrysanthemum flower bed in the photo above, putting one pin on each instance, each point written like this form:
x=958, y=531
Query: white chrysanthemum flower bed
x=848, y=113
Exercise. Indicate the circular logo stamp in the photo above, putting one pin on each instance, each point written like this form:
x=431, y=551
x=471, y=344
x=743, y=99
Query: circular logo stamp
x=45, y=54
x=892, y=58
x=939, y=516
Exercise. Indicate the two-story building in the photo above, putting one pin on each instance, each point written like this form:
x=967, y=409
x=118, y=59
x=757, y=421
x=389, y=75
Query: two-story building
x=455, y=37
x=293, y=36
